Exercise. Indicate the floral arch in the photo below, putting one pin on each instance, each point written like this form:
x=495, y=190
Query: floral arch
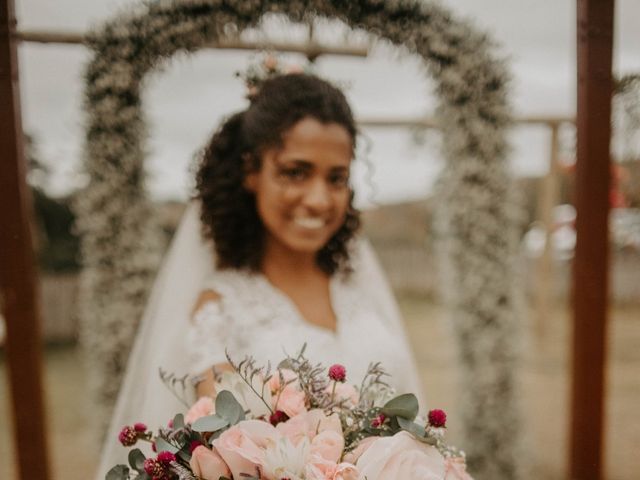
x=120, y=245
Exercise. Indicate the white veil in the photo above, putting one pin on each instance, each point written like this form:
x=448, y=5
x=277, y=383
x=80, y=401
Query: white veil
x=160, y=341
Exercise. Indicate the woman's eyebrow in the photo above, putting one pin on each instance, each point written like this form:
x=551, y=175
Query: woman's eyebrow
x=296, y=161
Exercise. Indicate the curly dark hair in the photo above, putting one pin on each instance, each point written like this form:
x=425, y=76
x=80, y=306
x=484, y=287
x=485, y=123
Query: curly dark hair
x=229, y=215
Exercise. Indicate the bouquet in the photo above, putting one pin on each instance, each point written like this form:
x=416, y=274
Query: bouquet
x=297, y=422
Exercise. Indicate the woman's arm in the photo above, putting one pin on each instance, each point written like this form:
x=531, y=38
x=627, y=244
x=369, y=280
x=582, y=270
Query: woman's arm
x=206, y=380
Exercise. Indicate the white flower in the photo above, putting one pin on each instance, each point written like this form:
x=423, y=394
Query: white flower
x=283, y=459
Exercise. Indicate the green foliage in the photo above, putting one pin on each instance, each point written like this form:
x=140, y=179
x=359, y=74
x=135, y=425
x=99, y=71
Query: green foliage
x=404, y=406
x=210, y=423
x=163, y=446
x=136, y=460
x=119, y=472
x=178, y=421
x=229, y=408
x=57, y=245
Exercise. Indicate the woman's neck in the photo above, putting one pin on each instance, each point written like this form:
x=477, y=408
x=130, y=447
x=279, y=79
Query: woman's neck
x=279, y=261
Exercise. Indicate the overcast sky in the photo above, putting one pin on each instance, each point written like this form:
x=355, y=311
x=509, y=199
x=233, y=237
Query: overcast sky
x=185, y=102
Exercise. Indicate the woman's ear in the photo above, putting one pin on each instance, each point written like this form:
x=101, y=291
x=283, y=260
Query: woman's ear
x=250, y=181
x=251, y=170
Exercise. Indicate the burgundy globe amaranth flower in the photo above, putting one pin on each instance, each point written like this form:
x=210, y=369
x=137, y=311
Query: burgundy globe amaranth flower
x=193, y=445
x=128, y=436
x=166, y=457
x=378, y=421
x=278, y=417
x=154, y=468
x=437, y=418
x=337, y=373
x=140, y=427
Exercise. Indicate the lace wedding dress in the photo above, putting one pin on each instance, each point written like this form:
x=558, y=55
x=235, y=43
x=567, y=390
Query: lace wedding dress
x=254, y=318
x=251, y=317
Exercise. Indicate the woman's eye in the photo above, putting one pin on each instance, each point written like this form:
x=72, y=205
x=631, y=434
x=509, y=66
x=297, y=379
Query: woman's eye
x=293, y=173
x=339, y=180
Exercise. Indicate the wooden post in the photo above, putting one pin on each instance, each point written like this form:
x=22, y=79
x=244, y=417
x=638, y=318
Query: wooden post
x=548, y=199
x=17, y=271
x=590, y=274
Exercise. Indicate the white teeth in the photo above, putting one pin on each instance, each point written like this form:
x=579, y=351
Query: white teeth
x=311, y=223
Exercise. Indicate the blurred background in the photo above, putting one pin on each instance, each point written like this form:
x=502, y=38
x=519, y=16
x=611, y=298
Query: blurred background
x=393, y=176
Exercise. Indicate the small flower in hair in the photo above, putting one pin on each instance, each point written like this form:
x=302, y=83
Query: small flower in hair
x=270, y=67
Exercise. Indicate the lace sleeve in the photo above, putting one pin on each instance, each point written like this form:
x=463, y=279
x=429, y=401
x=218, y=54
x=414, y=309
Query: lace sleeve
x=207, y=337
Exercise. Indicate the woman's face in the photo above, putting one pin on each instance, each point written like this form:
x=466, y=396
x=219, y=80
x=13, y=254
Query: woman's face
x=302, y=188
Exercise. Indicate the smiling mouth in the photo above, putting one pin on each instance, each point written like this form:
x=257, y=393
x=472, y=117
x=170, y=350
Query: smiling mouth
x=310, y=223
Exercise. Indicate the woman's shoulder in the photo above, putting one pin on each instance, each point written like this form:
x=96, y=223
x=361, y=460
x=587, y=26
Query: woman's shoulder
x=235, y=290
x=229, y=282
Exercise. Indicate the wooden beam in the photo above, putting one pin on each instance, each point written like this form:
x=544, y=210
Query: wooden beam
x=17, y=271
x=310, y=49
x=590, y=266
x=426, y=122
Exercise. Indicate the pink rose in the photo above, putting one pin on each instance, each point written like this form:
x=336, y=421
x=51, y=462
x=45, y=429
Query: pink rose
x=243, y=446
x=328, y=445
x=309, y=424
x=208, y=464
x=456, y=469
x=344, y=392
x=318, y=468
x=287, y=375
x=363, y=445
x=295, y=429
x=292, y=401
x=346, y=471
x=287, y=396
x=203, y=407
x=401, y=456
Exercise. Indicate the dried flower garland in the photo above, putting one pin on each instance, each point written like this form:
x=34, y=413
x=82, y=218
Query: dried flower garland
x=120, y=245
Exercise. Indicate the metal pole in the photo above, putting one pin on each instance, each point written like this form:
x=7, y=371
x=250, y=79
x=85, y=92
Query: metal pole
x=590, y=274
x=17, y=271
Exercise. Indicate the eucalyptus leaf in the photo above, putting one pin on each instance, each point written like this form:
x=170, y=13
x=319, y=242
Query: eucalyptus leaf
x=136, y=459
x=178, y=422
x=411, y=427
x=405, y=406
x=163, y=446
x=143, y=476
x=228, y=407
x=210, y=423
x=184, y=455
x=119, y=472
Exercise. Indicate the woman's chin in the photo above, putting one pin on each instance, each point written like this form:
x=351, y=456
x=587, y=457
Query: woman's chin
x=306, y=244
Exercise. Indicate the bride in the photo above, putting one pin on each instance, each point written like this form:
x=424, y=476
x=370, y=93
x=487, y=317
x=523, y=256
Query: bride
x=278, y=264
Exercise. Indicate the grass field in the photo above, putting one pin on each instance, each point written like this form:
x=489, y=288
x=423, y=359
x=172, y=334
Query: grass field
x=544, y=380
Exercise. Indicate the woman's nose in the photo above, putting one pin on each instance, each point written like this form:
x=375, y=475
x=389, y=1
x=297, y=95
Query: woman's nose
x=317, y=196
